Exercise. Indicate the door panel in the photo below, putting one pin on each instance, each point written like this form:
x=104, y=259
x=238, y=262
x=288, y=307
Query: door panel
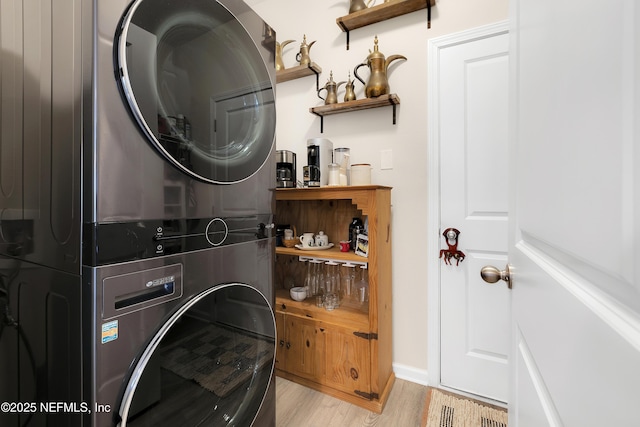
x=575, y=195
x=474, y=316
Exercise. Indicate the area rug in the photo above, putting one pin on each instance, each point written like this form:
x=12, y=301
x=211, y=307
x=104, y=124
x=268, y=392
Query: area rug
x=447, y=410
x=218, y=358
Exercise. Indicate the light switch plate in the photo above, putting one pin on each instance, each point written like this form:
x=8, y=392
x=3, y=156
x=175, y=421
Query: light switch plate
x=386, y=159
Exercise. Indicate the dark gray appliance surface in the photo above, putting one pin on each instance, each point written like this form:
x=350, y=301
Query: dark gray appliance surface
x=247, y=263
x=74, y=163
x=72, y=154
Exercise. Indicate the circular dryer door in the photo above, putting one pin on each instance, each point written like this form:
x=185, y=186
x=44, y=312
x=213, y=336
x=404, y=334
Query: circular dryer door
x=196, y=82
x=210, y=363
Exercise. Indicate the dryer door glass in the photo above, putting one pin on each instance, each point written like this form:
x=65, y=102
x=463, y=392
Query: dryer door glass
x=197, y=84
x=210, y=364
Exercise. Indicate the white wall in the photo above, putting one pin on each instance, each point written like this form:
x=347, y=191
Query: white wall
x=370, y=131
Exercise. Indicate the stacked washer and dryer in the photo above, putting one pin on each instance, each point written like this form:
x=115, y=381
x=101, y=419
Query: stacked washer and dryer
x=136, y=214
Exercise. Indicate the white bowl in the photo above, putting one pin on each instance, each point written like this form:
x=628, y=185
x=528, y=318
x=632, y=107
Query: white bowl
x=298, y=293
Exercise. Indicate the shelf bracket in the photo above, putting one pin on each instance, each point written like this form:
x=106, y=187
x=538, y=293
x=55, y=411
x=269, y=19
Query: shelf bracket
x=345, y=29
x=317, y=77
x=321, y=122
x=394, y=113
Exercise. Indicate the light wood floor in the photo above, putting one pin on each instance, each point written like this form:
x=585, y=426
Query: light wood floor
x=299, y=406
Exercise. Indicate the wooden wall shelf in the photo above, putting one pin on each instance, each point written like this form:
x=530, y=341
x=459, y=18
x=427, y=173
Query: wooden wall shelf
x=359, y=104
x=298, y=72
x=380, y=13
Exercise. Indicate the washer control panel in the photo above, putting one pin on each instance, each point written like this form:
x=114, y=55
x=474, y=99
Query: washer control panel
x=107, y=243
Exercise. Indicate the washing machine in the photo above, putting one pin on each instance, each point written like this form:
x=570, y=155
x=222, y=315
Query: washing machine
x=187, y=339
x=136, y=213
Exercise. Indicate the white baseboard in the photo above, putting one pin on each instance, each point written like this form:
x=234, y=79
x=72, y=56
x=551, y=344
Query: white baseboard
x=409, y=373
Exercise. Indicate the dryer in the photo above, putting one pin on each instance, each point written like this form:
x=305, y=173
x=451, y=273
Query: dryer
x=136, y=205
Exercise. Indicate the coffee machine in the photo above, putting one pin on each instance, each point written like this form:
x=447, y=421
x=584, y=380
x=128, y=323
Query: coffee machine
x=285, y=169
x=319, y=156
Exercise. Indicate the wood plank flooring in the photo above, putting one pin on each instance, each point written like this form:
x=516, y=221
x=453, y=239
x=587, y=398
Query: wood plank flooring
x=299, y=406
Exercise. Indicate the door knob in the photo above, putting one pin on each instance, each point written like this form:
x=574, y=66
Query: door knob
x=491, y=274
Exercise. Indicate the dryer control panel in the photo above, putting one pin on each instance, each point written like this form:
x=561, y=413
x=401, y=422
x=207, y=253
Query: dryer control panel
x=108, y=243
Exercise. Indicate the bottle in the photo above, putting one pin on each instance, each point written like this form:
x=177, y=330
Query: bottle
x=356, y=227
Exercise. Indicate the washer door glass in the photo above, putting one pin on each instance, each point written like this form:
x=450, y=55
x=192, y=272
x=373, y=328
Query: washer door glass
x=210, y=364
x=197, y=85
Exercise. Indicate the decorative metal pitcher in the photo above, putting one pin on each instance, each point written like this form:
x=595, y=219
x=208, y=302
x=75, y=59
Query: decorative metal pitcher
x=279, y=47
x=303, y=56
x=350, y=93
x=332, y=90
x=356, y=5
x=378, y=83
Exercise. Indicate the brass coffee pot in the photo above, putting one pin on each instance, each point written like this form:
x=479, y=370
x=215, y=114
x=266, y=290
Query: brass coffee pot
x=378, y=83
x=279, y=47
x=332, y=90
x=356, y=5
x=350, y=93
x=303, y=56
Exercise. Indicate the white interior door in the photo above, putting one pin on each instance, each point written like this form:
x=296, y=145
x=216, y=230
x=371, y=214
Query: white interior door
x=575, y=236
x=473, y=123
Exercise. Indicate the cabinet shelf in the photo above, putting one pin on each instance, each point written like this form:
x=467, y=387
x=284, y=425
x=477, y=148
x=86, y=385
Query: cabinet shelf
x=345, y=316
x=333, y=254
x=298, y=72
x=359, y=104
x=380, y=13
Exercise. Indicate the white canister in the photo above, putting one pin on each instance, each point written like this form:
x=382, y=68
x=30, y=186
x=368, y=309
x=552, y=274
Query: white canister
x=361, y=174
x=334, y=174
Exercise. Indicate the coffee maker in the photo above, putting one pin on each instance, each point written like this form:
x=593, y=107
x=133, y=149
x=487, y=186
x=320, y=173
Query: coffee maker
x=319, y=156
x=285, y=169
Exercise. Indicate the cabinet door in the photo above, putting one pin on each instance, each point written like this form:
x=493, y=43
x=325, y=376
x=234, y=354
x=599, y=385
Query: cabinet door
x=281, y=340
x=302, y=352
x=348, y=361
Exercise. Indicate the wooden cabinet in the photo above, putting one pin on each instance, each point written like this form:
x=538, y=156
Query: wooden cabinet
x=347, y=352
